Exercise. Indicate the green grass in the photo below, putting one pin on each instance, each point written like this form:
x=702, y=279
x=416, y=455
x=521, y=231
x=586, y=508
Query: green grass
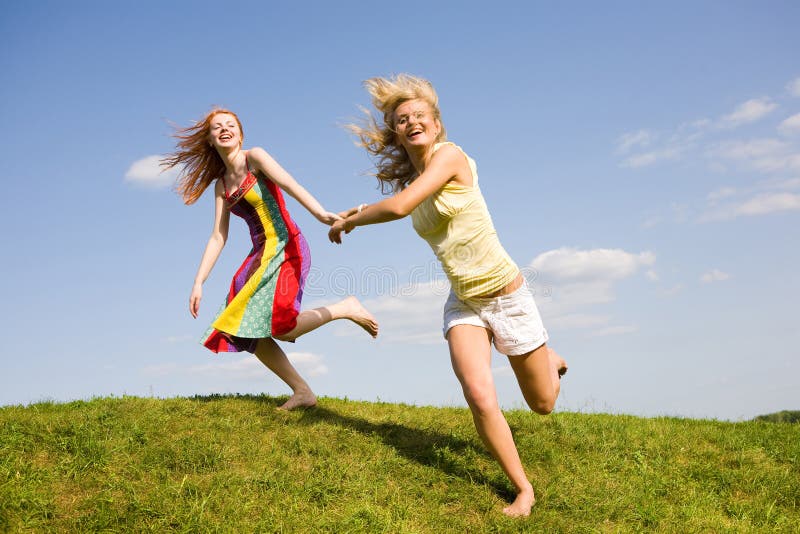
x=235, y=464
x=786, y=416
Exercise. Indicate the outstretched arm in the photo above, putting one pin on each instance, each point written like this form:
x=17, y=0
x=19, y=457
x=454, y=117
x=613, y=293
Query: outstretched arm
x=216, y=242
x=272, y=169
x=446, y=164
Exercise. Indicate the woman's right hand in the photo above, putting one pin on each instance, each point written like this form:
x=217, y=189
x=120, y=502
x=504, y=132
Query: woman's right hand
x=194, y=299
x=348, y=213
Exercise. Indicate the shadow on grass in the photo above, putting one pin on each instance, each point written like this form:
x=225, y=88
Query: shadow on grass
x=426, y=447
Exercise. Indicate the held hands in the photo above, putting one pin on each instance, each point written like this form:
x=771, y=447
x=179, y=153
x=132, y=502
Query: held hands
x=194, y=299
x=341, y=225
x=327, y=217
x=347, y=213
x=335, y=233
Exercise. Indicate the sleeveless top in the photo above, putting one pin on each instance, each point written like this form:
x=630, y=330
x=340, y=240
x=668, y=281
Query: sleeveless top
x=456, y=224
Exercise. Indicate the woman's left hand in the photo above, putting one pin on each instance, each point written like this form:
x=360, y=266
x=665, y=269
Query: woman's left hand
x=335, y=233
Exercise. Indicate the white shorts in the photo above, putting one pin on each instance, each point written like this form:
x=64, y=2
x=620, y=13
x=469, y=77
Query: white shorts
x=513, y=319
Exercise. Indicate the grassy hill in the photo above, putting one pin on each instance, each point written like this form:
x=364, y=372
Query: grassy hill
x=235, y=464
x=786, y=416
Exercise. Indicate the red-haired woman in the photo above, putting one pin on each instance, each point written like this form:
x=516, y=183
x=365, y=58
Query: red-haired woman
x=263, y=303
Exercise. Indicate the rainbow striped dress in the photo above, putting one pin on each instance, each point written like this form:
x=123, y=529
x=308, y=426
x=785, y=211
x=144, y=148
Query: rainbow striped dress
x=265, y=293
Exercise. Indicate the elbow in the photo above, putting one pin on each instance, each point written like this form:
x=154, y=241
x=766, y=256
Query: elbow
x=398, y=210
x=219, y=238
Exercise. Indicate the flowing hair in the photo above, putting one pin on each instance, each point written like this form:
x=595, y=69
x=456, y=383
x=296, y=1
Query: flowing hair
x=200, y=163
x=394, y=169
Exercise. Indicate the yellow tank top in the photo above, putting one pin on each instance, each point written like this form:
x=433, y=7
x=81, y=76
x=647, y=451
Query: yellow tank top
x=456, y=224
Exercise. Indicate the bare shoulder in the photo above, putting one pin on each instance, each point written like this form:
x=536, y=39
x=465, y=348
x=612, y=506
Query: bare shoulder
x=261, y=160
x=447, y=149
x=219, y=187
x=455, y=160
x=449, y=153
x=257, y=152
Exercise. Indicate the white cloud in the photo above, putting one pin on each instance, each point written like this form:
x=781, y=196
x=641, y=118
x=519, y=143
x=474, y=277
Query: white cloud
x=769, y=203
x=699, y=124
x=714, y=275
x=791, y=183
x=307, y=363
x=761, y=204
x=748, y=150
x=571, y=321
x=649, y=158
x=147, y=171
x=246, y=367
x=633, y=139
x=721, y=193
x=411, y=315
x=672, y=291
x=241, y=368
x=652, y=275
x=794, y=87
x=762, y=155
x=748, y=112
x=591, y=265
x=582, y=279
x=790, y=125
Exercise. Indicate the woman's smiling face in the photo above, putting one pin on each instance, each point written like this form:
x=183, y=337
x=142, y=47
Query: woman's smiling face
x=415, y=124
x=224, y=131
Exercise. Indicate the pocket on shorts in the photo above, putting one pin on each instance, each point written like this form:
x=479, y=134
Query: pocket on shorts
x=517, y=319
x=524, y=321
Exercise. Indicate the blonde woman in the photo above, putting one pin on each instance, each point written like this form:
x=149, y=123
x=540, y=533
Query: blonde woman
x=436, y=183
x=263, y=303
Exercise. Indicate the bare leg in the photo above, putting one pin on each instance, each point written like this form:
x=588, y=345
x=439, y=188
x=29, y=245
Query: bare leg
x=538, y=374
x=348, y=308
x=470, y=353
x=275, y=359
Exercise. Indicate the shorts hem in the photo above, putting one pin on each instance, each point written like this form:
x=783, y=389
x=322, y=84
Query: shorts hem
x=472, y=321
x=519, y=350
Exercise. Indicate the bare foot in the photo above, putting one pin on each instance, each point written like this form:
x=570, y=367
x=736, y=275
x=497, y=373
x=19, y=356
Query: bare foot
x=521, y=507
x=357, y=313
x=300, y=399
x=559, y=362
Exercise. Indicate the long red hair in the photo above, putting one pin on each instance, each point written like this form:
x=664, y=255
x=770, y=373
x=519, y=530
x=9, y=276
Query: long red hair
x=200, y=163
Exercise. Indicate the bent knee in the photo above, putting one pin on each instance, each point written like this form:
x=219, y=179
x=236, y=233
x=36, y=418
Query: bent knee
x=283, y=337
x=542, y=406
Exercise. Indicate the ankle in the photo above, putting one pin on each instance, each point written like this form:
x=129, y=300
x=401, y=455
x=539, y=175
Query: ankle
x=526, y=488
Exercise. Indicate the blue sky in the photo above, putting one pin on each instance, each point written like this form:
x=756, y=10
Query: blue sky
x=641, y=162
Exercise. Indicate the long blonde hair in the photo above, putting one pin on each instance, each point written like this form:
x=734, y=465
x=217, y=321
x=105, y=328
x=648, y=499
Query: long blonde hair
x=200, y=162
x=394, y=168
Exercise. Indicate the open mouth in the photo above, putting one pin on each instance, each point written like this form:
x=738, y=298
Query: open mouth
x=225, y=137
